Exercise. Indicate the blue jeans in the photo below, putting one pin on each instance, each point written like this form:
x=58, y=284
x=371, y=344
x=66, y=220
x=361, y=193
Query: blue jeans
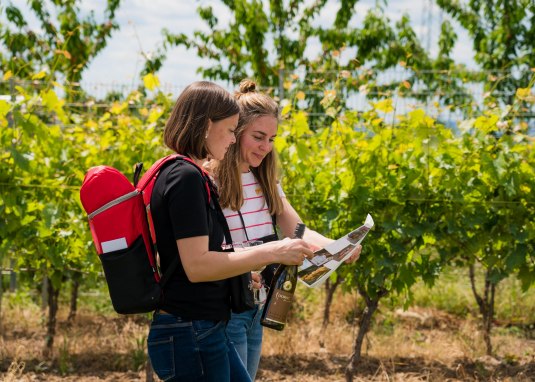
x=245, y=333
x=199, y=350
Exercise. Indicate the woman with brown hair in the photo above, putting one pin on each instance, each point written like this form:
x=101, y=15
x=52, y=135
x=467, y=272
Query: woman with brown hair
x=187, y=339
x=254, y=204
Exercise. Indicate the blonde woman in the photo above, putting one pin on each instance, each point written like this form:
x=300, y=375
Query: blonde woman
x=254, y=204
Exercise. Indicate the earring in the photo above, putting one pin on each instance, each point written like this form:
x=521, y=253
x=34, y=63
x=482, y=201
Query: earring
x=206, y=136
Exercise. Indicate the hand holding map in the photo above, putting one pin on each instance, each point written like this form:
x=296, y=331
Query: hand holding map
x=326, y=260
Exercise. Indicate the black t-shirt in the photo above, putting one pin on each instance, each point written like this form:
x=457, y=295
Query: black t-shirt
x=179, y=207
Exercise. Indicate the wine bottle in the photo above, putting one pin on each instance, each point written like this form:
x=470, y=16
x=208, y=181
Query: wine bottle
x=281, y=291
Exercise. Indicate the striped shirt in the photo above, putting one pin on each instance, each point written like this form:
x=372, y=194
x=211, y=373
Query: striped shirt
x=254, y=210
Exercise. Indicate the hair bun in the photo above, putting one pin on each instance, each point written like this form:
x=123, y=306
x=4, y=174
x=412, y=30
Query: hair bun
x=247, y=86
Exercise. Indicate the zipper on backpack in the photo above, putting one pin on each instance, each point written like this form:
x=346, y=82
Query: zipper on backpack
x=114, y=202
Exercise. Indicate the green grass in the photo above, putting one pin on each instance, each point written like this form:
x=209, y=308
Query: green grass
x=452, y=293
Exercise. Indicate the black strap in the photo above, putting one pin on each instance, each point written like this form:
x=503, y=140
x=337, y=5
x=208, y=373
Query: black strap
x=223, y=221
x=243, y=225
x=167, y=274
x=137, y=172
x=273, y=222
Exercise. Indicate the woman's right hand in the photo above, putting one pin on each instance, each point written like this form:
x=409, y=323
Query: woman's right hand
x=291, y=251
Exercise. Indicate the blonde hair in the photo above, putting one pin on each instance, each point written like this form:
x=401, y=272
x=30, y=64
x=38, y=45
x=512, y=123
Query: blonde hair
x=253, y=105
x=199, y=103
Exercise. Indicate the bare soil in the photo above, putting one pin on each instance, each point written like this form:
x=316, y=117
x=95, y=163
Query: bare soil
x=418, y=345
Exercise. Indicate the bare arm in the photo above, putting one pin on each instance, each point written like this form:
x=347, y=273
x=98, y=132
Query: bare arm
x=200, y=264
x=289, y=218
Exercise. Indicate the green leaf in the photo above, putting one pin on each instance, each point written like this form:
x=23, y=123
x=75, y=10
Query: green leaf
x=7, y=75
x=515, y=260
x=486, y=124
x=27, y=219
x=44, y=232
x=50, y=99
x=38, y=76
x=286, y=110
x=5, y=107
x=385, y=106
x=20, y=159
x=151, y=81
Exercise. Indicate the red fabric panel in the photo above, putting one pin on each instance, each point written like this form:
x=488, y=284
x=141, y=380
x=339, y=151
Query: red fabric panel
x=97, y=180
x=123, y=220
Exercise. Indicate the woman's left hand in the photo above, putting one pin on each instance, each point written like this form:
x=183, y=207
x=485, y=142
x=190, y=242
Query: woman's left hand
x=256, y=280
x=354, y=255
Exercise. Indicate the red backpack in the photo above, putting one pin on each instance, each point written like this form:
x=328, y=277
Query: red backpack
x=121, y=225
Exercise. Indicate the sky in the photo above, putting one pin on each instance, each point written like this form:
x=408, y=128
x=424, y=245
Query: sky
x=141, y=22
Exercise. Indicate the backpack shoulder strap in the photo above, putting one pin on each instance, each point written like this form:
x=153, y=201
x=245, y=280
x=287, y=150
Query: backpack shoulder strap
x=146, y=186
x=153, y=171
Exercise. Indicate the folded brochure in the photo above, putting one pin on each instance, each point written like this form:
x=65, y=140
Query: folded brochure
x=326, y=260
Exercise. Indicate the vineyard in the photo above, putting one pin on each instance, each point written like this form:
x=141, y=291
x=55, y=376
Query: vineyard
x=371, y=122
x=442, y=198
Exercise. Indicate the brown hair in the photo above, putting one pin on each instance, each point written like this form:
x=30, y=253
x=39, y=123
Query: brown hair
x=253, y=105
x=198, y=104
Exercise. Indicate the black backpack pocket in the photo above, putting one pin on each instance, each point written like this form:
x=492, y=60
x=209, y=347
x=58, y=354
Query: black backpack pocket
x=130, y=279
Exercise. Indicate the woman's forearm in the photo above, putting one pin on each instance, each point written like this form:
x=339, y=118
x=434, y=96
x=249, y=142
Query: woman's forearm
x=203, y=265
